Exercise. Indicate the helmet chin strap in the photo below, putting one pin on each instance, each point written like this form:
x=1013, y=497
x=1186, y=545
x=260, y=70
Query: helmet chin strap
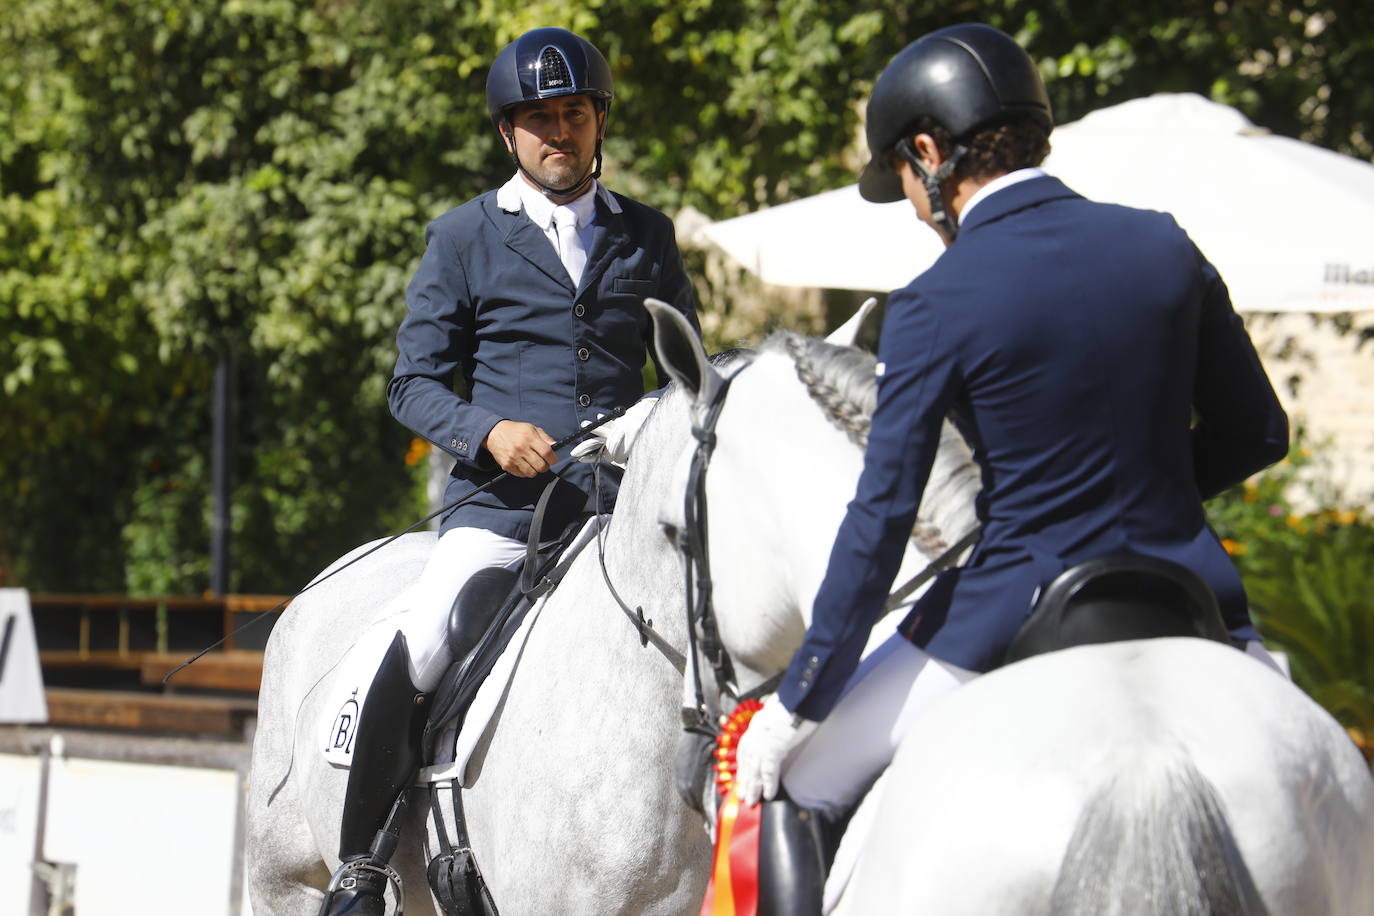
x=941, y=215
x=573, y=190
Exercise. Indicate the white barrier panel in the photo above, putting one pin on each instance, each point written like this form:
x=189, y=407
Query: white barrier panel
x=146, y=840
x=20, y=779
x=21, y=677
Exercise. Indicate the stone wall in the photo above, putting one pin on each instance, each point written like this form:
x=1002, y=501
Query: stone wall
x=1325, y=379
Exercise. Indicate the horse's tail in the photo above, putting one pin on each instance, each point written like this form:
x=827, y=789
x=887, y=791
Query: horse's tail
x=1155, y=840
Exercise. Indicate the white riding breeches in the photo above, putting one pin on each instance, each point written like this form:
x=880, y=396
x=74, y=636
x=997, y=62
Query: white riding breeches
x=891, y=688
x=459, y=553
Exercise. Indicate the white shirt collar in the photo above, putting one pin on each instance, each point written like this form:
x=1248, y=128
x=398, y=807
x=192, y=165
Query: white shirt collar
x=997, y=184
x=517, y=194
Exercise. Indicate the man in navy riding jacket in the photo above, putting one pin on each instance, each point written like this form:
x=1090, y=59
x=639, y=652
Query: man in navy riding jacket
x=1090, y=356
x=532, y=294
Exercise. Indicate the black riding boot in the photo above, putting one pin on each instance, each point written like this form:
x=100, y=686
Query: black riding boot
x=793, y=859
x=384, y=763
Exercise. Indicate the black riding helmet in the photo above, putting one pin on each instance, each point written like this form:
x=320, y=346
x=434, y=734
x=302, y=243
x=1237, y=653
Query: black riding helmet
x=963, y=77
x=543, y=64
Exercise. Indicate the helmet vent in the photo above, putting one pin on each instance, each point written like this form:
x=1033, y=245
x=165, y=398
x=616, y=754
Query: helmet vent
x=554, y=72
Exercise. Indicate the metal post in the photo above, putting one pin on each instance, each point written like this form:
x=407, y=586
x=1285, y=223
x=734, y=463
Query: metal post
x=223, y=448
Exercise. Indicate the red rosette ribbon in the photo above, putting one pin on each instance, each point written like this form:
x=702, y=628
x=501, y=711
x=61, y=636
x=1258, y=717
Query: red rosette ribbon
x=734, y=887
x=727, y=743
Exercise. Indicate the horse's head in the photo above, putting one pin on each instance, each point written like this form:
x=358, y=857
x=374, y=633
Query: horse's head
x=788, y=453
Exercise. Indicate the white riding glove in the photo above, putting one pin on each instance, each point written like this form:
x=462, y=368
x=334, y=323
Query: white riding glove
x=772, y=734
x=612, y=440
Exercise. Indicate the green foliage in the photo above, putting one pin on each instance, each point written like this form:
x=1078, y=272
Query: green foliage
x=1308, y=575
x=182, y=182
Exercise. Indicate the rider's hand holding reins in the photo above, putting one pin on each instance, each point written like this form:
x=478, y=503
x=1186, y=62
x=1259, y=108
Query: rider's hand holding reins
x=772, y=734
x=521, y=449
x=612, y=441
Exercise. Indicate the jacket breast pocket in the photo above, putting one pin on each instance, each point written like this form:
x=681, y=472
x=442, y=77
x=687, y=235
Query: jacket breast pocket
x=637, y=288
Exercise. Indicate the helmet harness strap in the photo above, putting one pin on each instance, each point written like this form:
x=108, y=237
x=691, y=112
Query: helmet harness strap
x=942, y=216
x=573, y=190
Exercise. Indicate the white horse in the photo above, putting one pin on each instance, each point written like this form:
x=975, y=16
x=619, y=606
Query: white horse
x=573, y=809
x=1169, y=776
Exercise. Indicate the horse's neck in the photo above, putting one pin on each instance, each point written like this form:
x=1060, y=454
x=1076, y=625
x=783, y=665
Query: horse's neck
x=641, y=562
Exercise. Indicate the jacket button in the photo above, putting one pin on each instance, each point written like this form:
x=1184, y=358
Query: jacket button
x=579, y=310
x=584, y=399
x=583, y=354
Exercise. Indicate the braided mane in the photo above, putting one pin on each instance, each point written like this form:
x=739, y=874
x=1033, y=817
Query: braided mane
x=839, y=379
x=842, y=382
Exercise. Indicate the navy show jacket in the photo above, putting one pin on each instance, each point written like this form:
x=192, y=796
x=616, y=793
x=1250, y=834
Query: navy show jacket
x=1070, y=342
x=491, y=303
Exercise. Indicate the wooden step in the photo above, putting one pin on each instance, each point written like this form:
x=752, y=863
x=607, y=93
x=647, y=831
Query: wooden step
x=241, y=670
x=238, y=670
x=131, y=710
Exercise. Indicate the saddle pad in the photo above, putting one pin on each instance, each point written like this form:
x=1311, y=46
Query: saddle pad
x=341, y=711
x=340, y=716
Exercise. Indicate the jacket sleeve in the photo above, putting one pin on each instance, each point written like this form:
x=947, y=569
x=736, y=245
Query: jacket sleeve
x=1240, y=426
x=915, y=389
x=433, y=343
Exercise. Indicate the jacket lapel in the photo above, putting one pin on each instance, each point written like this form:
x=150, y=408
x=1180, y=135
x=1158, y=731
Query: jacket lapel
x=608, y=237
x=529, y=241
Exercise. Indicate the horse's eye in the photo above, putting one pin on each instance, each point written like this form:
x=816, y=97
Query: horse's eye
x=669, y=531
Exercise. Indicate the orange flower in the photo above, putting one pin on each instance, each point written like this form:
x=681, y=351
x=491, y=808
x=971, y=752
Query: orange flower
x=419, y=451
x=1233, y=547
x=1297, y=523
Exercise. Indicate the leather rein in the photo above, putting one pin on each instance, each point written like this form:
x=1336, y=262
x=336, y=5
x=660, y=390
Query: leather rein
x=703, y=634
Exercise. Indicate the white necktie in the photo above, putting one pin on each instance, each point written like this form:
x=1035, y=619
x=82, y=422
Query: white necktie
x=570, y=250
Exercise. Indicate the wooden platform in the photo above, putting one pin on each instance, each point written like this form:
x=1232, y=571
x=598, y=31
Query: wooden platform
x=149, y=712
x=241, y=671
x=236, y=671
x=104, y=658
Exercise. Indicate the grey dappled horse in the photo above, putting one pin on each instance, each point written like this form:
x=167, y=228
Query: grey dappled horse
x=574, y=809
x=1164, y=776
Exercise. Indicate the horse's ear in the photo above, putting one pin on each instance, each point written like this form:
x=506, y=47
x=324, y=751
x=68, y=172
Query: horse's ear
x=680, y=351
x=862, y=328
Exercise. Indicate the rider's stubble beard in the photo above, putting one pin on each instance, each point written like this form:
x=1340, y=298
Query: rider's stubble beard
x=560, y=172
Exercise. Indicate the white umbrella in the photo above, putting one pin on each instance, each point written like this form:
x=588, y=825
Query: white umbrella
x=1289, y=225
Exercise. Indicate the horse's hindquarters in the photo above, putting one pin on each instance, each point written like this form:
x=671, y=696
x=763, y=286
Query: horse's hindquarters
x=988, y=789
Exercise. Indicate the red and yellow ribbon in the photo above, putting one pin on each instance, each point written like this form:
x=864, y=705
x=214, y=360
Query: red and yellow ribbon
x=734, y=886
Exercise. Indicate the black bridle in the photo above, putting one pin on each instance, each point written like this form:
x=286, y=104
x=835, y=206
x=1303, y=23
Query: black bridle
x=703, y=634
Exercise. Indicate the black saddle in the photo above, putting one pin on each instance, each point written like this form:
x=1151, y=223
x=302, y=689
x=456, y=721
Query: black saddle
x=488, y=610
x=486, y=614
x=1116, y=597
